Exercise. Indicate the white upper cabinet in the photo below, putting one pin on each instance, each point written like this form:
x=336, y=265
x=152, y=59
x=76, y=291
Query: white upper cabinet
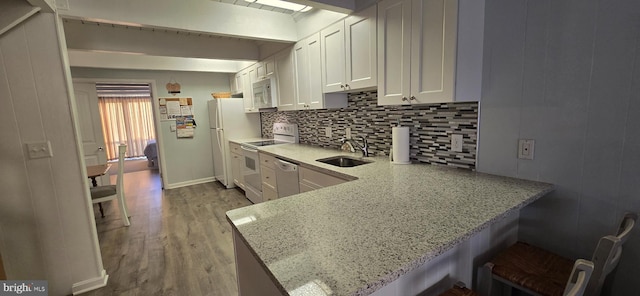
x=260, y=70
x=360, y=48
x=233, y=83
x=308, y=82
x=285, y=77
x=333, y=56
x=249, y=78
x=236, y=85
x=349, y=53
x=269, y=67
x=265, y=68
x=417, y=51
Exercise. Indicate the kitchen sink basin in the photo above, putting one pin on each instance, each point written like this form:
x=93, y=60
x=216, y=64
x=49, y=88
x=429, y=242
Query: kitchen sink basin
x=343, y=161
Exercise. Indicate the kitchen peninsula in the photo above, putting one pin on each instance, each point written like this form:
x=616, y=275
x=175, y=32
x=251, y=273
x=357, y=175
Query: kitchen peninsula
x=392, y=230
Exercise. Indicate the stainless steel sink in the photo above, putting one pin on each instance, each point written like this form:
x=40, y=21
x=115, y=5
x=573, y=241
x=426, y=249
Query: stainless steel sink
x=343, y=161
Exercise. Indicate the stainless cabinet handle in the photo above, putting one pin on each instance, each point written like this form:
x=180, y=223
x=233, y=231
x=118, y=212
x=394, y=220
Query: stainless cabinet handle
x=405, y=99
x=341, y=86
x=413, y=98
x=346, y=85
x=100, y=148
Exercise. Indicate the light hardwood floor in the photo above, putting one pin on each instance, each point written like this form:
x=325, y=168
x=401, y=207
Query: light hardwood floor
x=179, y=241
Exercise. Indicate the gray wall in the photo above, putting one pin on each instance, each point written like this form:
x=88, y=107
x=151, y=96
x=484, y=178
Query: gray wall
x=567, y=74
x=187, y=161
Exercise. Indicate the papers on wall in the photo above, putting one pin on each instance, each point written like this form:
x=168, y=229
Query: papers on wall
x=185, y=127
x=170, y=108
x=180, y=110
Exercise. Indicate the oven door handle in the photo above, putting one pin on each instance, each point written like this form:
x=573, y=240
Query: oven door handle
x=249, y=149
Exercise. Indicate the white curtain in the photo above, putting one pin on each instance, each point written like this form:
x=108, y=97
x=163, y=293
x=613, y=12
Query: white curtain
x=126, y=120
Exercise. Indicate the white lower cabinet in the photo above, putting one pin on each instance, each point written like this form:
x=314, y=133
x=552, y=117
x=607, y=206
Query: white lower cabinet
x=269, y=185
x=237, y=163
x=268, y=177
x=311, y=179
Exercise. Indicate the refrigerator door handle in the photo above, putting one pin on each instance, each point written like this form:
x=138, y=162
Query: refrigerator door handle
x=220, y=133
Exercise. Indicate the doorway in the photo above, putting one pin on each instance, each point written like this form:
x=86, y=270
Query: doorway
x=113, y=113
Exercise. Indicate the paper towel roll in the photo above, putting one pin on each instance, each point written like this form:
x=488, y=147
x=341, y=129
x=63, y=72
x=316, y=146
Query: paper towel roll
x=400, y=142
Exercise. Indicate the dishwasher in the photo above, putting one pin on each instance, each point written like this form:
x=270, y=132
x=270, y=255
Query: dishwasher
x=286, y=178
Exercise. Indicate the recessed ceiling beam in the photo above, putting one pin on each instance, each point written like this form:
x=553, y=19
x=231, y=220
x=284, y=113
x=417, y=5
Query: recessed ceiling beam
x=91, y=36
x=188, y=15
x=115, y=60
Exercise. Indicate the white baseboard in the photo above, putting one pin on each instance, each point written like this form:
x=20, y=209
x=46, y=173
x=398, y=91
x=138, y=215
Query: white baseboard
x=90, y=284
x=187, y=183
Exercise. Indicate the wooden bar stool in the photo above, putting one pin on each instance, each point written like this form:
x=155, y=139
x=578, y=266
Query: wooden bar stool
x=459, y=289
x=540, y=272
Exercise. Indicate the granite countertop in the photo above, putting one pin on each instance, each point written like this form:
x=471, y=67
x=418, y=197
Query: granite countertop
x=358, y=236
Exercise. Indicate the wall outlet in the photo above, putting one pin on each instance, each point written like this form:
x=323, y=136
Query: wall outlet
x=39, y=149
x=456, y=143
x=327, y=131
x=526, y=148
x=347, y=132
x=172, y=127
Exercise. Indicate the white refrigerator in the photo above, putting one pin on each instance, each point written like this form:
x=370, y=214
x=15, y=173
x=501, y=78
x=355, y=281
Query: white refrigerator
x=227, y=120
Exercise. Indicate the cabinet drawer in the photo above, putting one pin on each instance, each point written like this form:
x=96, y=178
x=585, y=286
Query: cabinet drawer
x=268, y=177
x=318, y=179
x=268, y=194
x=235, y=148
x=267, y=160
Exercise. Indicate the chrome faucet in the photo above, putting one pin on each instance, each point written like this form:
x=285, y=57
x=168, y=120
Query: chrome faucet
x=364, y=147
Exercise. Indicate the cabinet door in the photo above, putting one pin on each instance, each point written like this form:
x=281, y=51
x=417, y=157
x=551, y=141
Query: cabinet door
x=316, y=92
x=269, y=66
x=360, y=41
x=301, y=61
x=394, y=52
x=332, y=46
x=253, y=77
x=247, y=91
x=238, y=80
x=285, y=79
x=260, y=71
x=233, y=84
x=236, y=169
x=433, y=50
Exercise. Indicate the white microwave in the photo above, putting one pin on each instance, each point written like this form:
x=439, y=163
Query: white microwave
x=264, y=93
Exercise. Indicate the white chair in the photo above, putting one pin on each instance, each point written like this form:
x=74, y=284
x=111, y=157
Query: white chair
x=101, y=194
x=540, y=272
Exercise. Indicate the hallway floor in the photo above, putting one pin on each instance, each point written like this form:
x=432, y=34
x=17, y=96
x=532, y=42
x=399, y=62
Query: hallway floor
x=179, y=241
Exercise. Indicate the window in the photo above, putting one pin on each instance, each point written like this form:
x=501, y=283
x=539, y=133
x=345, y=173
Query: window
x=126, y=116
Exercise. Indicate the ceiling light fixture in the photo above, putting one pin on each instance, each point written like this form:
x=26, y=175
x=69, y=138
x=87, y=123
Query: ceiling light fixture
x=282, y=4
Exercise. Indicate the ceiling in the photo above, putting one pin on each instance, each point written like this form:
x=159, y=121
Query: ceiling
x=232, y=34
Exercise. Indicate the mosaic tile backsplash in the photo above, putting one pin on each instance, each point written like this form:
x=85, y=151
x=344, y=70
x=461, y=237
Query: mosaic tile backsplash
x=431, y=127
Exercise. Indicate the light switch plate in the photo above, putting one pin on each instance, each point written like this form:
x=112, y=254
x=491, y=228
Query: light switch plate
x=456, y=143
x=526, y=148
x=39, y=149
x=327, y=132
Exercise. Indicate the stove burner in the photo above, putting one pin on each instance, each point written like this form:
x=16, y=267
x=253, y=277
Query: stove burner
x=265, y=143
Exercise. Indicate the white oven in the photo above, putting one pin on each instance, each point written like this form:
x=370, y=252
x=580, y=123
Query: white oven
x=251, y=173
x=283, y=133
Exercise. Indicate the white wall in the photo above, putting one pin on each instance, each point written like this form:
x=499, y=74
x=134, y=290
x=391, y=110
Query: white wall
x=187, y=160
x=567, y=74
x=46, y=222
